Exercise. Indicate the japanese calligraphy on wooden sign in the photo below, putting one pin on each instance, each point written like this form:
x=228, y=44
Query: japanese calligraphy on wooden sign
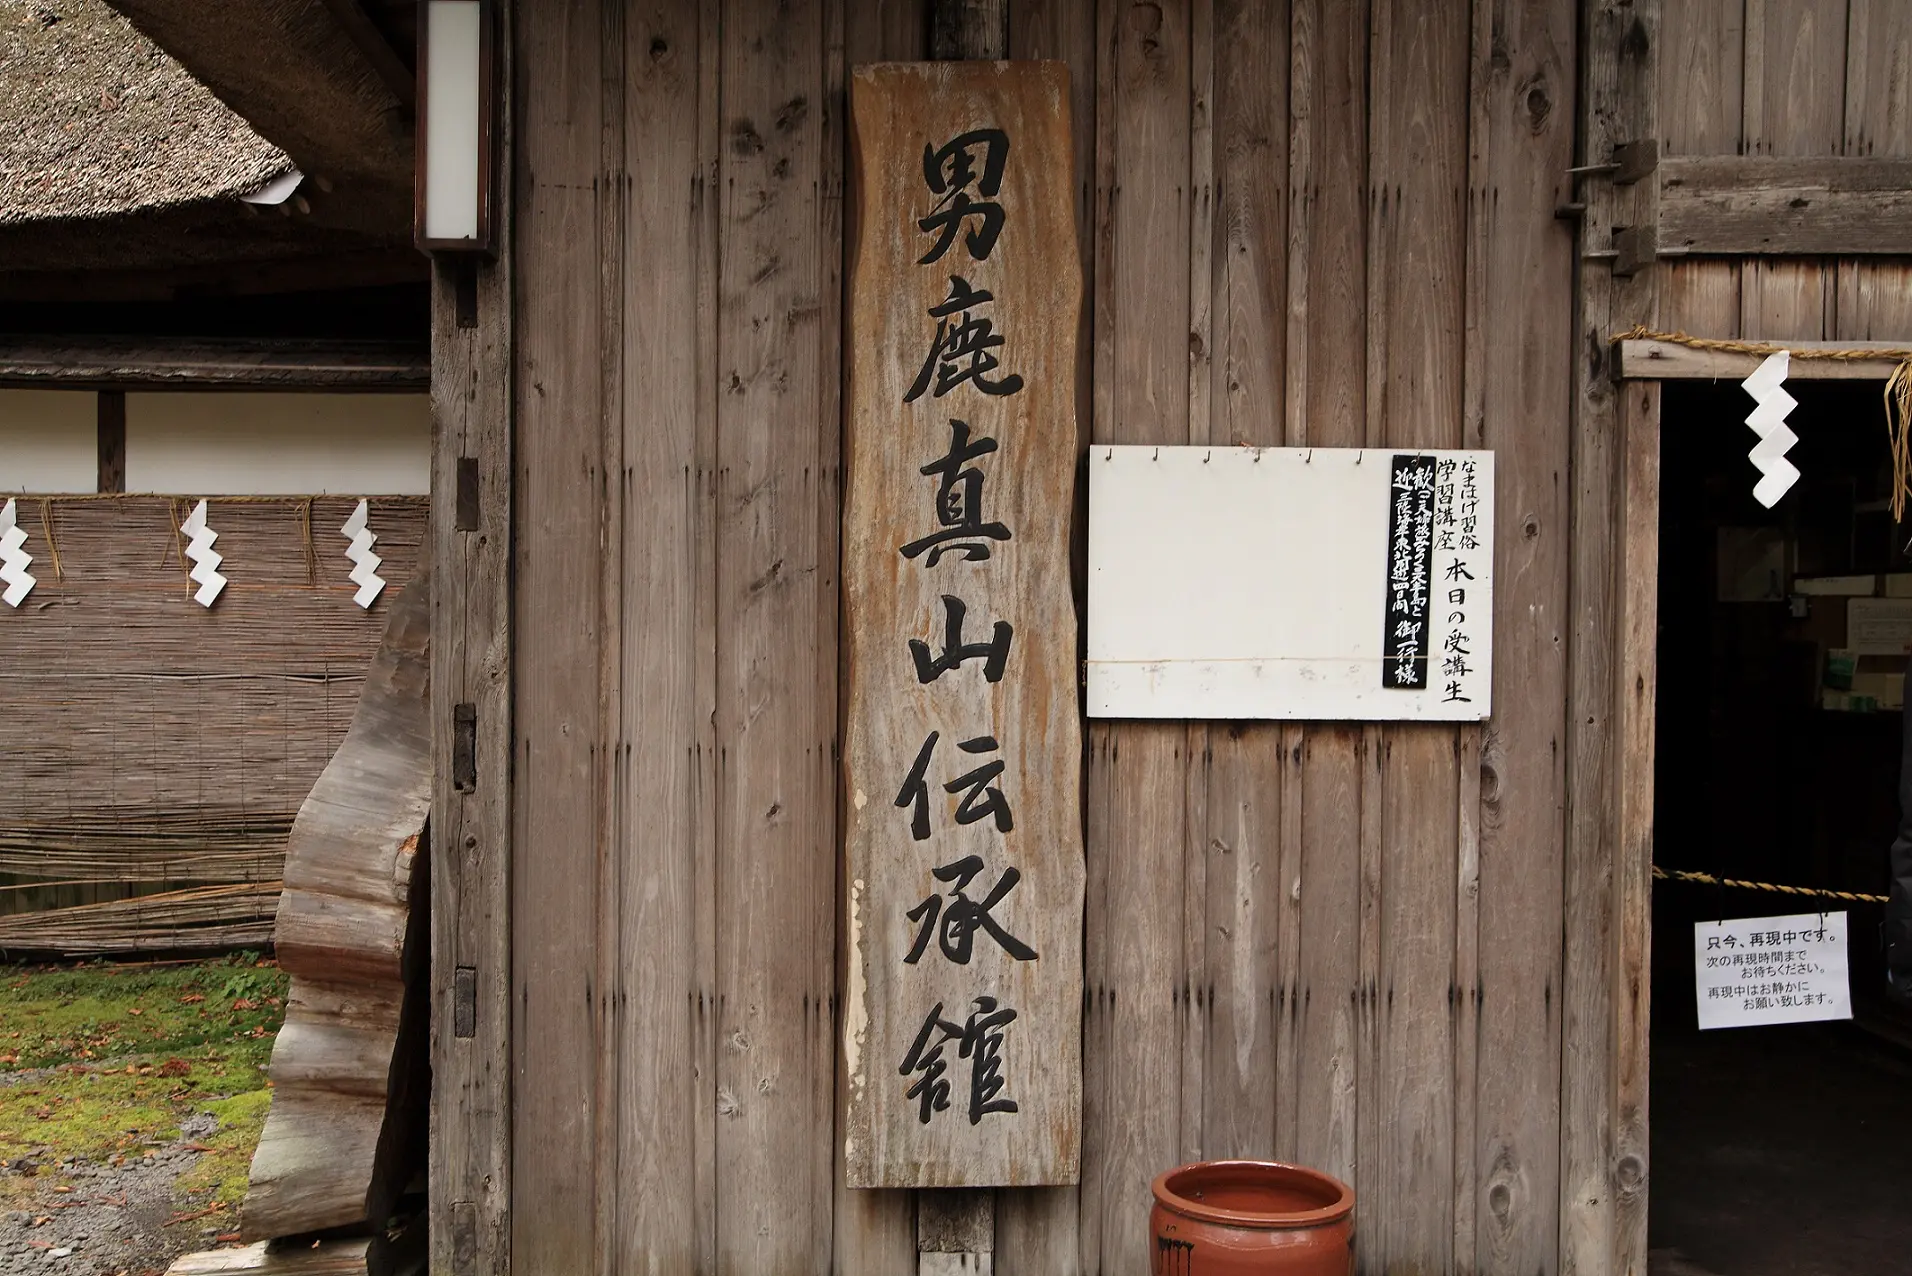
x=962, y=756
x=1290, y=583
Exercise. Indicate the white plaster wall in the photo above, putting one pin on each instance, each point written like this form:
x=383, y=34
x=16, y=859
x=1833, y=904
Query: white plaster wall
x=49, y=441
x=233, y=443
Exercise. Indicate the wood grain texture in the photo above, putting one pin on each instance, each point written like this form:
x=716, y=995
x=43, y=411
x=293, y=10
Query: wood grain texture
x=1639, y=534
x=893, y=597
x=1642, y=359
x=328, y=1258
x=663, y=820
x=1137, y=783
x=1520, y=273
x=1038, y=1230
x=1619, y=56
x=1418, y=170
x=120, y=364
x=470, y=1116
x=558, y=492
x=1795, y=90
x=876, y=1230
x=1701, y=92
x=1321, y=880
x=337, y=1145
x=777, y=454
x=1874, y=298
x=1730, y=205
x=1237, y=390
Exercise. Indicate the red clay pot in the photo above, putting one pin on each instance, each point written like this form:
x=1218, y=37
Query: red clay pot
x=1251, y=1218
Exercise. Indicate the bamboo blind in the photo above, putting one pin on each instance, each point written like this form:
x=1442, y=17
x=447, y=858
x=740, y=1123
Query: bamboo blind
x=150, y=740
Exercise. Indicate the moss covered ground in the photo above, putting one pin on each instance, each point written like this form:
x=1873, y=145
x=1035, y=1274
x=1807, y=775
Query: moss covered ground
x=104, y=1062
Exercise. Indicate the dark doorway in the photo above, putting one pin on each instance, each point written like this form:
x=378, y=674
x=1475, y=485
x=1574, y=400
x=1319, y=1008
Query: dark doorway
x=1776, y=1149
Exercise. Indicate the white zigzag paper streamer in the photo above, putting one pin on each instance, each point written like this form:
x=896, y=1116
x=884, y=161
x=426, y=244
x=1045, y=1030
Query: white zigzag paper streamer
x=1768, y=421
x=14, y=559
x=364, y=562
x=205, y=559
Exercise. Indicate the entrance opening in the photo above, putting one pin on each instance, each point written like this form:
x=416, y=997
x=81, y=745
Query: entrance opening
x=1778, y=1149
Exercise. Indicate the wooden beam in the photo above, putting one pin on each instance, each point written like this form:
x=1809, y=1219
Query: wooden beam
x=111, y=415
x=473, y=433
x=129, y=278
x=1642, y=359
x=212, y=364
x=391, y=67
x=1739, y=205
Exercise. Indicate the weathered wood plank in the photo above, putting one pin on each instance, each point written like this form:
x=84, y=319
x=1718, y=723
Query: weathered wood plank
x=903, y=702
x=876, y=1229
x=663, y=761
x=1749, y=205
x=1701, y=92
x=1137, y=781
x=1644, y=359
x=1322, y=875
x=776, y=692
x=1038, y=1230
x=1241, y=378
x=1418, y=163
x=1639, y=534
x=470, y=1165
x=1795, y=81
x=1878, y=97
x=335, y=1148
x=1619, y=56
x=1873, y=299
x=123, y=363
x=328, y=1258
x=558, y=775
x=1513, y=778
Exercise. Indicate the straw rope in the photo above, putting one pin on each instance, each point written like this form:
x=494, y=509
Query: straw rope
x=1707, y=879
x=1898, y=389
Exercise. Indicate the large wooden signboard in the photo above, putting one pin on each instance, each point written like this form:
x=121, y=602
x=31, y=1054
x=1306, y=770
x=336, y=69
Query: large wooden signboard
x=962, y=1024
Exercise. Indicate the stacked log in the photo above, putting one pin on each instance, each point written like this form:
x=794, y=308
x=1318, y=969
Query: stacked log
x=350, y=1067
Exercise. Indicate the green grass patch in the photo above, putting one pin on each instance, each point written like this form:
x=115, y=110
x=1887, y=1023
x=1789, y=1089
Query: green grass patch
x=102, y=1061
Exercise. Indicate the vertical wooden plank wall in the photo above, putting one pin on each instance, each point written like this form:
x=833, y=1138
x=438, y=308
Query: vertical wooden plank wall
x=471, y=540
x=1520, y=347
x=1788, y=77
x=563, y=199
x=1305, y=222
x=1603, y=1077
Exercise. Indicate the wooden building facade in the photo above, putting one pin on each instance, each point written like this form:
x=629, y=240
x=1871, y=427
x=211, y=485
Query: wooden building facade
x=1411, y=955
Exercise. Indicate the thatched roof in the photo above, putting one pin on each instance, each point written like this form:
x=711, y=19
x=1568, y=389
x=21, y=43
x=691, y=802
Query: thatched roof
x=99, y=122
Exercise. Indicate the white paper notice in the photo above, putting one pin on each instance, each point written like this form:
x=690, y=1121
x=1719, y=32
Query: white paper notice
x=1767, y=970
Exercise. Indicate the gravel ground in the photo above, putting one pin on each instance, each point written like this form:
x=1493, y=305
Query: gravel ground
x=114, y=1219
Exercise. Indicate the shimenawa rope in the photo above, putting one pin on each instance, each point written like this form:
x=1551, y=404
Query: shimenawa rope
x=1898, y=389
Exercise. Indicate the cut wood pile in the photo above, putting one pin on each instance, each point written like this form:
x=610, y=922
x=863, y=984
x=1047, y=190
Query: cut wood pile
x=346, y=1132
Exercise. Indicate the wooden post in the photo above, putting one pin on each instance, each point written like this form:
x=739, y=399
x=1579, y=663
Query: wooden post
x=956, y=1227
x=470, y=1190
x=1603, y=1170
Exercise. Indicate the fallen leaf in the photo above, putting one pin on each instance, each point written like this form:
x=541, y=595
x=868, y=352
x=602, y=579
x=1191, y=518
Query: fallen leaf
x=190, y=999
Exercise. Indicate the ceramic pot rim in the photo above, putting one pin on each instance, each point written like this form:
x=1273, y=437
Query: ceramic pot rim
x=1342, y=1206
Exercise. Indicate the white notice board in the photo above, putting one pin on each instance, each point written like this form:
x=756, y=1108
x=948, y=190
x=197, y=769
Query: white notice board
x=1767, y=970
x=1290, y=583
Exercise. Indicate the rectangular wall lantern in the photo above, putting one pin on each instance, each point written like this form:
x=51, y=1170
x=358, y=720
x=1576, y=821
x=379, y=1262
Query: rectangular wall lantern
x=456, y=179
